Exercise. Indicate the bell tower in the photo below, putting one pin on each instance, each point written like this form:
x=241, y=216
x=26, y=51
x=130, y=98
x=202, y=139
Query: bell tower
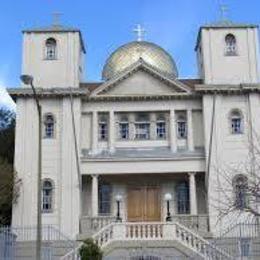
x=228, y=53
x=53, y=56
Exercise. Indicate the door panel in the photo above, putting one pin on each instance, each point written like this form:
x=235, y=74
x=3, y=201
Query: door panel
x=135, y=204
x=152, y=205
x=144, y=204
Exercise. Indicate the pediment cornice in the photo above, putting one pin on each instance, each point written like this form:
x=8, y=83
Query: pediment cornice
x=141, y=65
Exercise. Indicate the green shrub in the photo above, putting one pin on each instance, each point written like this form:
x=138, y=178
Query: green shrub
x=90, y=251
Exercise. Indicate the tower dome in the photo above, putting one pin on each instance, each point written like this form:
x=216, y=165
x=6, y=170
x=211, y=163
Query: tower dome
x=130, y=53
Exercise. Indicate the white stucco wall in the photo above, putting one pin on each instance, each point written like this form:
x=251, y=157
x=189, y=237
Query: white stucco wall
x=61, y=72
x=221, y=69
x=229, y=153
x=58, y=164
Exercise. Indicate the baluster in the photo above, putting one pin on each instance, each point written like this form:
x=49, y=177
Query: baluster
x=156, y=231
x=138, y=230
x=153, y=234
x=127, y=231
x=147, y=231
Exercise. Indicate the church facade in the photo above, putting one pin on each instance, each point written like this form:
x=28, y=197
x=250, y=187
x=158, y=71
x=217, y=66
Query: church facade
x=142, y=144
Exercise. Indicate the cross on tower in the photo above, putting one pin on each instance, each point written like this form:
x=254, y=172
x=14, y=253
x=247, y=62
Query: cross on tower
x=140, y=32
x=56, y=19
x=224, y=12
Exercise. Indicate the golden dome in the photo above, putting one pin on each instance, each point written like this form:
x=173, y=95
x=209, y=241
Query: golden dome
x=130, y=53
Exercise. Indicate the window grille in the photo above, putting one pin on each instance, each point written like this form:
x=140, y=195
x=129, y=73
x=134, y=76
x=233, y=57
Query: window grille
x=51, y=47
x=104, y=196
x=142, y=131
x=181, y=128
x=231, y=45
x=48, y=126
x=240, y=186
x=183, y=198
x=124, y=130
x=103, y=128
x=236, y=123
x=47, y=196
x=161, y=129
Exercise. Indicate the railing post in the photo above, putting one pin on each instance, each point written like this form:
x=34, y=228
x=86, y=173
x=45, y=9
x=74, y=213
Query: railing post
x=119, y=231
x=168, y=231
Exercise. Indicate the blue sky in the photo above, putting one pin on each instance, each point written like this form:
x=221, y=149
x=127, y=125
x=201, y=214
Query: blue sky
x=107, y=24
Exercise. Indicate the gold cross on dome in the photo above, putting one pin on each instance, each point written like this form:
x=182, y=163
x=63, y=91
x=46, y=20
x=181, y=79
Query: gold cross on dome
x=140, y=32
x=56, y=19
x=224, y=12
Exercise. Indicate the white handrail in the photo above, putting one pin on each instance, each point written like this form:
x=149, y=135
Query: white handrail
x=198, y=243
x=135, y=231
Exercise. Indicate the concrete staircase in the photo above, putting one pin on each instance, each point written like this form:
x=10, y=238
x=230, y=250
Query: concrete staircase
x=158, y=235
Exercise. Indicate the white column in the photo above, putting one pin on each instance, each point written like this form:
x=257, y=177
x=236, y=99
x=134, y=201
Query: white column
x=193, y=194
x=153, y=133
x=111, y=133
x=190, y=131
x=131, y=119
x=94, y=132
x=94, y=195
x=172, y=134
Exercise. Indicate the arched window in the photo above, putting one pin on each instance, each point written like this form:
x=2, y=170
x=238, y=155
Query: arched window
x=47, y=196
x=104, y=198
x=51, y=49
x=183, y=198
x=231, y=45
x=181, y=127
x=236, y=122
x=124, y=128
x=102, y=127
x=49, y=126
x=161, y=127
x=240, y=187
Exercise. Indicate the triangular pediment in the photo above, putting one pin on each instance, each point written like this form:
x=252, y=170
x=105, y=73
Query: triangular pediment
x=141, y=80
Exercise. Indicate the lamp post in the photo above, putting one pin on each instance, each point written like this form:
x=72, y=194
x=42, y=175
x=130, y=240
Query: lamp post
x=28, y=80
x=168, y=198
x=118, y=200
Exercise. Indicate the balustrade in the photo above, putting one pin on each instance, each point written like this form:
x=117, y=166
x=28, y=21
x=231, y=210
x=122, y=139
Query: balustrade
x=124, y=232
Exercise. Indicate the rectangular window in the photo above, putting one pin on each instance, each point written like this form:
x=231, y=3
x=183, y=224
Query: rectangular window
x=181, y=129
x=102, y=131
x=236, y=126
x=124, y=131
x=142, y=131
x=51, y=53
x=46, y=202
x=49, y=130
x=104, y=195
x=161, y=130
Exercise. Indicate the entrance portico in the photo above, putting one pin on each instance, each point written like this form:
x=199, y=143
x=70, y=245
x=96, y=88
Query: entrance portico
x=143, y=199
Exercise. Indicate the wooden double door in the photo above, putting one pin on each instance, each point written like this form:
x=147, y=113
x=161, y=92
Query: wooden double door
x=144, y=203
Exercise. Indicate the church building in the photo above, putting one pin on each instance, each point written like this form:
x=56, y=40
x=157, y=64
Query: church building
x=136, y=156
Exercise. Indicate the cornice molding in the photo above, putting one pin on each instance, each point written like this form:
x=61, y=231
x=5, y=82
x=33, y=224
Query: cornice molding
x=139, y=66
x=227, y=89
